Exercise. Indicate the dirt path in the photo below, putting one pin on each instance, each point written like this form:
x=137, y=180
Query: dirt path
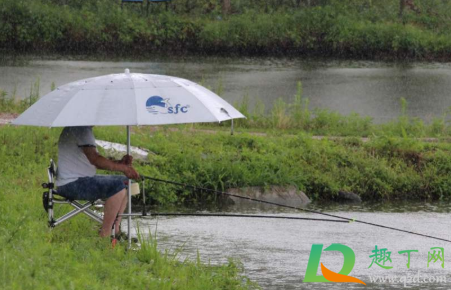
x=363, y=139
x=6, y=118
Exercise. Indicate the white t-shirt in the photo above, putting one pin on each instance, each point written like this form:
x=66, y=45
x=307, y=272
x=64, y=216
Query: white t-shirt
x=72, y=161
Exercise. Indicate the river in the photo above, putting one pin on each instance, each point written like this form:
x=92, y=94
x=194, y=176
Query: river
x=368, y=88
x=275, y=253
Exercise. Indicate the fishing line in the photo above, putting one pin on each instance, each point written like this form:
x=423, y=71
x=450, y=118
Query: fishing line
x=241, y=216
x=293, y=207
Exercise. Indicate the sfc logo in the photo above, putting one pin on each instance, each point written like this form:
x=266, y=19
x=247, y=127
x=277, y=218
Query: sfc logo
x=157, y=105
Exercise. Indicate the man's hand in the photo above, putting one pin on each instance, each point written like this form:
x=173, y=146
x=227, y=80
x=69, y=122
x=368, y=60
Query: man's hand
x=131, y=173
x=127, y=160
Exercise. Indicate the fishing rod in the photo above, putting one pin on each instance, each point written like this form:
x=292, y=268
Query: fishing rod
x=349, y=220
x=145, y=214
x=238, y=216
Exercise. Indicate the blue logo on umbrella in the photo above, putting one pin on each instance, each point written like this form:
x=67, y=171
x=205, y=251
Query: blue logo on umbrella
x=157, y=105
x=155, y=101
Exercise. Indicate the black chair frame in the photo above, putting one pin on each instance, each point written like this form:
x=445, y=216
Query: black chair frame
x=50, y=198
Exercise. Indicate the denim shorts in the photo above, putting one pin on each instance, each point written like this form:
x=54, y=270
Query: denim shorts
x=94, y=187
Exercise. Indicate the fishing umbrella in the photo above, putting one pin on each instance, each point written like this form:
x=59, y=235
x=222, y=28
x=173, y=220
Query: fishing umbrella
x=128, y=99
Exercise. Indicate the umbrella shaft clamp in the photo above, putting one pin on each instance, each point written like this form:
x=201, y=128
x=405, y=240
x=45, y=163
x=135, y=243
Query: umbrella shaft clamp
x=49, y=185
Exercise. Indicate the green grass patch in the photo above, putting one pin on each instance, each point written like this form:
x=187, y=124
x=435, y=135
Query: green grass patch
x=383, y=168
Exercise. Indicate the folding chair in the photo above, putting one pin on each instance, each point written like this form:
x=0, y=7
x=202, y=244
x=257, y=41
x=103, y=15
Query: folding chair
x=49, y=200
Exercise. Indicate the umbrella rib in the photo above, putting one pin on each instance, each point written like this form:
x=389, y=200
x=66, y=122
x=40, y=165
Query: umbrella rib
x=200, y=100
x=76, y=90
x=136, y=101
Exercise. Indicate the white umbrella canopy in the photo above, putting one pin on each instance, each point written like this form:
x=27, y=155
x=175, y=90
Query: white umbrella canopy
x=128, y=99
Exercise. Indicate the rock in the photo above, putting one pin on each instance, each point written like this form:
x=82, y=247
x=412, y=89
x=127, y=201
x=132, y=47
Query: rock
x=344, y=196
x=286, y=195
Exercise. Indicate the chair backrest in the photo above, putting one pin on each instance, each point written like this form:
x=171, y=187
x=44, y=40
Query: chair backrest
x=51, y=171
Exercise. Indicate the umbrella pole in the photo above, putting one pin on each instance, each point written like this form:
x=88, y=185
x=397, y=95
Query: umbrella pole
x=231, y=132
x=129, y=196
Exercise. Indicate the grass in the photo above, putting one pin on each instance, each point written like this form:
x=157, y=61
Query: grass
x=11, y=103
x=72, y=256
x=384, y=168
x=296, y=116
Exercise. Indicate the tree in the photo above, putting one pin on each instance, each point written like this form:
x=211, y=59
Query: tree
x=225, y=7
x=409, y=4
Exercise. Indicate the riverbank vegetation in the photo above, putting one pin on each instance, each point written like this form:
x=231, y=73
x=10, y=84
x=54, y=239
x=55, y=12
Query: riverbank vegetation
x=72, y=256
x=293, y=117
x=382, y=168
x=419, y=29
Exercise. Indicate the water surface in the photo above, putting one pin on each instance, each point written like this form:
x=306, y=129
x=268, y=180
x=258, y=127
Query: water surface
x=275, y=252
x=368, y=88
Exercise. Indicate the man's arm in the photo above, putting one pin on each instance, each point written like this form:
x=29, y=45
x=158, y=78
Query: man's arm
x=101, y=162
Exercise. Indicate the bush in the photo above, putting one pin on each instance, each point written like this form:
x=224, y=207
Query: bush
x=353, y=28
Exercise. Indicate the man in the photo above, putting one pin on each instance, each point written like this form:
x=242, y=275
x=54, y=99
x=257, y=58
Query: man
x=78, y=160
